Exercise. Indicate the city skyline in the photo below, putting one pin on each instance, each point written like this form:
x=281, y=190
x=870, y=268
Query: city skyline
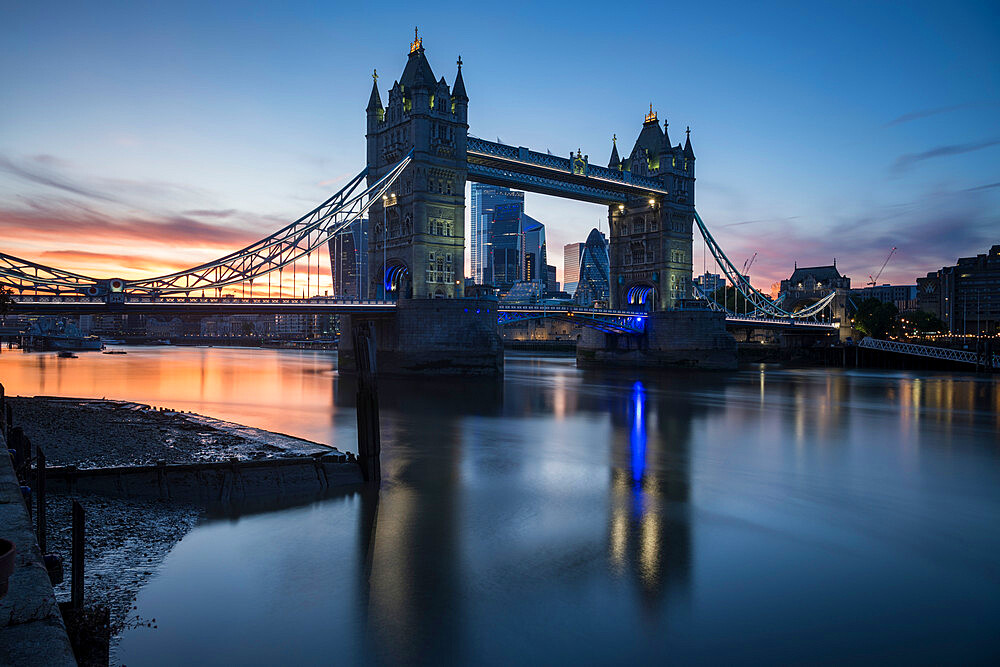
x=145, y=141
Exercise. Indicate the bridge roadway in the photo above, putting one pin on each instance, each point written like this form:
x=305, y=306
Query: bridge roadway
x=518, y=167
x=607, y=319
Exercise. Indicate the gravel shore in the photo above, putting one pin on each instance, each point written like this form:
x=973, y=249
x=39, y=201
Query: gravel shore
x=127, y=539
x=102, y=434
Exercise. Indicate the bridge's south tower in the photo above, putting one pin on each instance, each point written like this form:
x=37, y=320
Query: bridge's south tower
x=416, y=236
x=651, y=239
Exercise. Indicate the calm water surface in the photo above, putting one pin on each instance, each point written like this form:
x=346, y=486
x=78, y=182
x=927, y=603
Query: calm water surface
x=587, y=516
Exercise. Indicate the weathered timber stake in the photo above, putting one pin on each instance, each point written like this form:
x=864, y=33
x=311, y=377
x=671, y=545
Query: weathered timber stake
x=76, y=585
x=40, y=492
x=16, y=436
x=369, y=437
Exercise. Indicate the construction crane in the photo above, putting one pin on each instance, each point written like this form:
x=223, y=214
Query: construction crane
x=747, y=264
x=872, y=280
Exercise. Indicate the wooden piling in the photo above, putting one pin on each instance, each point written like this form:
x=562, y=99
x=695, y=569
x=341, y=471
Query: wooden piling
x=369, y=437
x=40, y=493
x=76, y=585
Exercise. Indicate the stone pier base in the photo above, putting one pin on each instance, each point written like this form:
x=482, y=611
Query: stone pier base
x=431, y=337
x=673, y=338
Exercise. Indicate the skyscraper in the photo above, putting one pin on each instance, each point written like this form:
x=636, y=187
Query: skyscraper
x=505, y=264
x=571, y=266
x=485, y=198
x=595, y=271
x=535, y=259
x=349, y=260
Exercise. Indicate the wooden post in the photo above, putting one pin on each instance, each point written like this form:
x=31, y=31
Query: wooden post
x=369, y=437
x=3, y=410
x=76, y=585
x=16, y=436
x=40, y=491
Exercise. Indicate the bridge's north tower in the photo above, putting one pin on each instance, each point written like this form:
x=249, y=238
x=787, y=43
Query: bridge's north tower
x=651, y=239
x=416, y=239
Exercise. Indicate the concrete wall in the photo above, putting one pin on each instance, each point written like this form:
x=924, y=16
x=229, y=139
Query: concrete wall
x=431, y=337
x=32, y=631
x=673, y=338
x=211, y=483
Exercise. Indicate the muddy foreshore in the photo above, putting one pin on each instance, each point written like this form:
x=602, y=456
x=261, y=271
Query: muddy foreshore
x=128, y=538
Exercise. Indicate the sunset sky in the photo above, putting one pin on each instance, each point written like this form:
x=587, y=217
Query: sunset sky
x=138, y=138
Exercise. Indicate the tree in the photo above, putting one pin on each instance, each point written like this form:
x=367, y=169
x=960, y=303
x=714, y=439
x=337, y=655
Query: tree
x=6, y=303
x=876, y=319
x=921, y=322
x=248, y=329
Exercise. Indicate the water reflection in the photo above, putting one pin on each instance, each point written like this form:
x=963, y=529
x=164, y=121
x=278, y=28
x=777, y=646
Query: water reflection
x=585, y=516
x=649, y=534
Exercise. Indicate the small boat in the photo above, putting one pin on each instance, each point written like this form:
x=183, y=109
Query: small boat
x=114, y=352
x=66, y=354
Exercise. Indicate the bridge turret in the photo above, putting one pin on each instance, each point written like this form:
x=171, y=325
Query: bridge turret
x=651, y=237
x=615, y=162
x=416, y=242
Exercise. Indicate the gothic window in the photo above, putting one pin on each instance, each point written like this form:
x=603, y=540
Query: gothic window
x=626, y=258
x=640, y=226
x=652, y=224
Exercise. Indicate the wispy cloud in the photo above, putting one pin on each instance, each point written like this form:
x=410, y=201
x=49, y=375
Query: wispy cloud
x=904, y=162
x=930, y=232
x=53, y=181
x=62, y=224
x=924, y=113
x=211, y=213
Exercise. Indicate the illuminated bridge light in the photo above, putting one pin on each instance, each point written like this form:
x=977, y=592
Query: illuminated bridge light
x=394, y=277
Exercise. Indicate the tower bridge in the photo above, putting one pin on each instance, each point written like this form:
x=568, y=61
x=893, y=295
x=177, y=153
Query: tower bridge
x=420, y=156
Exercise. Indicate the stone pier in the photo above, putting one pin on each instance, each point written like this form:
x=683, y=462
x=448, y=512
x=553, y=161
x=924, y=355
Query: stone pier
x=431, y=337
x=673, y=338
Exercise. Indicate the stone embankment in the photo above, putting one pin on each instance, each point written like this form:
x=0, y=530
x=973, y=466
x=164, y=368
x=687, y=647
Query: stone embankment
x=32, y=631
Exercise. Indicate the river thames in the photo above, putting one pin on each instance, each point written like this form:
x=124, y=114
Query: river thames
x=585, y=516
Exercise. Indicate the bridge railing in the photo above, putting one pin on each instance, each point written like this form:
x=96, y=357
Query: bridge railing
x=223, y=300
x=929, y=352
x=539, y=308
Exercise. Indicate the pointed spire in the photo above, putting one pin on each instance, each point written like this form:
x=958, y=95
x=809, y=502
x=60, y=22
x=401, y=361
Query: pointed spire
x=688, y=151
x=615, y=160
x=417, y=44
x=459, y=90
x=374, y=102
x=651, y=116
x=666, y=137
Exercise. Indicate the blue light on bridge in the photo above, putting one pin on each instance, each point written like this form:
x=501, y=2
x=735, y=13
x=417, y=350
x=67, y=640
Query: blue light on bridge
x=394, y=277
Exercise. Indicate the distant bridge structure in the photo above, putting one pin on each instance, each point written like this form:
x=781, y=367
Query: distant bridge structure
x=412, y=189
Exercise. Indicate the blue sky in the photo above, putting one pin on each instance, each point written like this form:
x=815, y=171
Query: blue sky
x=135, y=136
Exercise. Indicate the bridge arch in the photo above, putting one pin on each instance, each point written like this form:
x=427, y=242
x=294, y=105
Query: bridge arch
x=641, y=295
x=396, y=280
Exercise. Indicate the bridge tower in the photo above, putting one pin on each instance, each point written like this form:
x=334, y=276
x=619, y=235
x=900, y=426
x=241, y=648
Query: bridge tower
x=651, y=239
x=416, y=240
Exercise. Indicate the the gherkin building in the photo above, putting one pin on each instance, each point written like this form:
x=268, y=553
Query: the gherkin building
x=595, y=272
